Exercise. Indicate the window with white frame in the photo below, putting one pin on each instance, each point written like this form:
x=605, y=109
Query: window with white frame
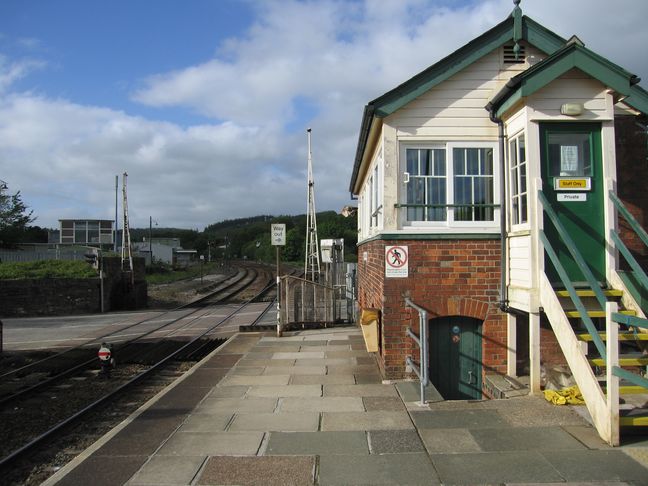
x=518, y=180
x=453, y=183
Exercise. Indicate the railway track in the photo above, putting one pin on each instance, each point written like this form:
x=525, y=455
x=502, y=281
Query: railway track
x=154, y=349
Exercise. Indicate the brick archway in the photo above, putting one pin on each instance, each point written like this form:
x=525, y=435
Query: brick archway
x=457, y=306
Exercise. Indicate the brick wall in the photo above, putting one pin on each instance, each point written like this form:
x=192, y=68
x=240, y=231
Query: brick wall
x=446, y=277
x=632, y=171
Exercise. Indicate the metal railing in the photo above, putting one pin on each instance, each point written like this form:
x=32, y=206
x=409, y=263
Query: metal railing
x=421, y=370
x=305, y=302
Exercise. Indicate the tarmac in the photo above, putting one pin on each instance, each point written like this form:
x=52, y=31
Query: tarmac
x=311, y=408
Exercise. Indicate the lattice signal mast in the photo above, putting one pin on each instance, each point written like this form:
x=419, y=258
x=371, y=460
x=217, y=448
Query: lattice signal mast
x=126, y=252
x=312, y=259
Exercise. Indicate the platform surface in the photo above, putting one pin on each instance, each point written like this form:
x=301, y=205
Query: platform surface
x=311, y=408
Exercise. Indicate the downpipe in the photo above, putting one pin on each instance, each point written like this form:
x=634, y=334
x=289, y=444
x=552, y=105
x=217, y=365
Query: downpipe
x=503, y=297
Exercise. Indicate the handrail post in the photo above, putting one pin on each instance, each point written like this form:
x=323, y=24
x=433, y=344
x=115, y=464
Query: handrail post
x=422, y=341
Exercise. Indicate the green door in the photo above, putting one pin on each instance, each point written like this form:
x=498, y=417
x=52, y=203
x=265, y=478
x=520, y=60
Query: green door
x=572, y=181
x=455, y=357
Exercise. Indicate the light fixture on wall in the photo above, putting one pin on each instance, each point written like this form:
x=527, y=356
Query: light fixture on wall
x=571, y=109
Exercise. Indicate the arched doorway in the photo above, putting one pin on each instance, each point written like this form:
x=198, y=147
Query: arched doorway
x=456, y=357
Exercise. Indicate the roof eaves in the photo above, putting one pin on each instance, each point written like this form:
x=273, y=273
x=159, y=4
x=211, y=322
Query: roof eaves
x=363, y=136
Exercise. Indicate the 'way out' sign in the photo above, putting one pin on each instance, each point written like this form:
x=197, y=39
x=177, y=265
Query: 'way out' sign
x=278, y=234
x=396, y=262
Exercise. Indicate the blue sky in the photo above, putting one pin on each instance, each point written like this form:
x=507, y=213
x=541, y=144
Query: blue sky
x=206, y=102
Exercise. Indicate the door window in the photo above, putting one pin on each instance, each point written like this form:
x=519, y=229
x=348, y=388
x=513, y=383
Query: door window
x=570, y=154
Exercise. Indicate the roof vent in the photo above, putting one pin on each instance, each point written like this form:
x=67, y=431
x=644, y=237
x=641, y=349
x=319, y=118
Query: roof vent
x=509, y=55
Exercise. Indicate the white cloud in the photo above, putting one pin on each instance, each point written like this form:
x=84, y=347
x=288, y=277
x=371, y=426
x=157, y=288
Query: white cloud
x=330, y=56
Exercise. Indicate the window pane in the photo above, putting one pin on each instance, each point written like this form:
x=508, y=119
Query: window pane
x=412, y=161
x=436, y=195
x=522, y=152
x=523, y=209
x=487, y=161
x=569, y=154
x=439, y=162
x=473, y=156
x=459, y=157
x=463, y=198
x=523, y=178
x=515, y=208
x=425, y=162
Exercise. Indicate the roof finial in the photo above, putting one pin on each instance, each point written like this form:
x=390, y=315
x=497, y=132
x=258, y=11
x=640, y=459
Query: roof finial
x=517, y=27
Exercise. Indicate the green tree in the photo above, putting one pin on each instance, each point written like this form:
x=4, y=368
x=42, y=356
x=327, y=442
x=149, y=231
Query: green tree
x=14, y=217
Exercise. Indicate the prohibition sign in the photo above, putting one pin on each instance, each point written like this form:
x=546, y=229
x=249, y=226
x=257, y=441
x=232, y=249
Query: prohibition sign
x=396, y=261
x=396, y=257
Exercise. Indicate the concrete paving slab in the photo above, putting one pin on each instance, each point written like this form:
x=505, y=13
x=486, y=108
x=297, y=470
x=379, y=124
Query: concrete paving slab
x=283, y=422
x=313, y=343
x=330, y=353
x=345, y=442
x=247, y=370
x=296, y=370
x=258, y=471
x=322, y=380
x=586, y=435
x=534, y=411
x=241, y=405
x=212, y=444
x=465, y=419
x=364, y=379
x=366, y=360
x=360, y=391
x=524, y=439
x=639, y=454
x=314, y=346
x=255, y=380
x=286, y=391
x=392, y=469
x=353, y=370
x=366, y=421
x=395, y=441
x=326, y=362
x=222, y=360
x=321, y=404
x=410, y=391
x=385, y=404
x=103, y=471
x=208, y=422
x=610, y=465
x=276, y=348
x=286, y=338
x=168, y=470
x=299, y=355
x=265, y=362
x=143, y=435
x=494, y=468
x=232, y=391
x=448, y=441
x=253, y=354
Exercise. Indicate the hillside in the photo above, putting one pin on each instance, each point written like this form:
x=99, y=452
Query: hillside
x=250, y=237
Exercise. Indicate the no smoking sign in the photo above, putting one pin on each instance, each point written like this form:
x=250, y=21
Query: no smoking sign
x=396, y=262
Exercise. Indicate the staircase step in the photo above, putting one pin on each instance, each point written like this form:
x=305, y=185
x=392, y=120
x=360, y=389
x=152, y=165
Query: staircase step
x=590, y=293
x=598, y=313
x=634, y=420
x=632, y=390
x=640, y=360
x=623, y=336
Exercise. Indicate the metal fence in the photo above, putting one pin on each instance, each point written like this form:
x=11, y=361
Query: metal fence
x=15, y=256
x=306, y=302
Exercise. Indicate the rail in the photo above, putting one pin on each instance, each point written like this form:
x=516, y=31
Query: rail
x=421, y=370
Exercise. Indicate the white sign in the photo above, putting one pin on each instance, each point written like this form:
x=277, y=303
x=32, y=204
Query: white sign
x=571, y=197
x=396, y=262
x=568, y=159
x=278, y=234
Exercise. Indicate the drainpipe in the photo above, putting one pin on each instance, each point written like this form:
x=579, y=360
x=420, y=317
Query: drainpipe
x=503, y=303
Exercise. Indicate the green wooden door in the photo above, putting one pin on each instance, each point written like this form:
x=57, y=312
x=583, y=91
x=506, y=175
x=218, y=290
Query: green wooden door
x=455, y=357
x=572, y=181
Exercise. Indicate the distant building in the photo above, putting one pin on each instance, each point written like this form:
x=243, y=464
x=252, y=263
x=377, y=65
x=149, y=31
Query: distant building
x=165, y=250
x=86, y=231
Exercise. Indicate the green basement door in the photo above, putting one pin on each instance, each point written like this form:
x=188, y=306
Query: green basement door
x=455, y=357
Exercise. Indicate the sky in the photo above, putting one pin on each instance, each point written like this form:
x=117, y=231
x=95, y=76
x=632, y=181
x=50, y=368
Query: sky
x=205, y=103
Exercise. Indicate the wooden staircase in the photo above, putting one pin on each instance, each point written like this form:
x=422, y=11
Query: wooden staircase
x=633, y=412
x=603, y=342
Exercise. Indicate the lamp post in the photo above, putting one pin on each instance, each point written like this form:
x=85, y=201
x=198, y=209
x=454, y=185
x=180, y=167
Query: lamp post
x=151, y=238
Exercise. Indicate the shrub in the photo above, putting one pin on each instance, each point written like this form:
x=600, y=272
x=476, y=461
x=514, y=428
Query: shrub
x=47, y=269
